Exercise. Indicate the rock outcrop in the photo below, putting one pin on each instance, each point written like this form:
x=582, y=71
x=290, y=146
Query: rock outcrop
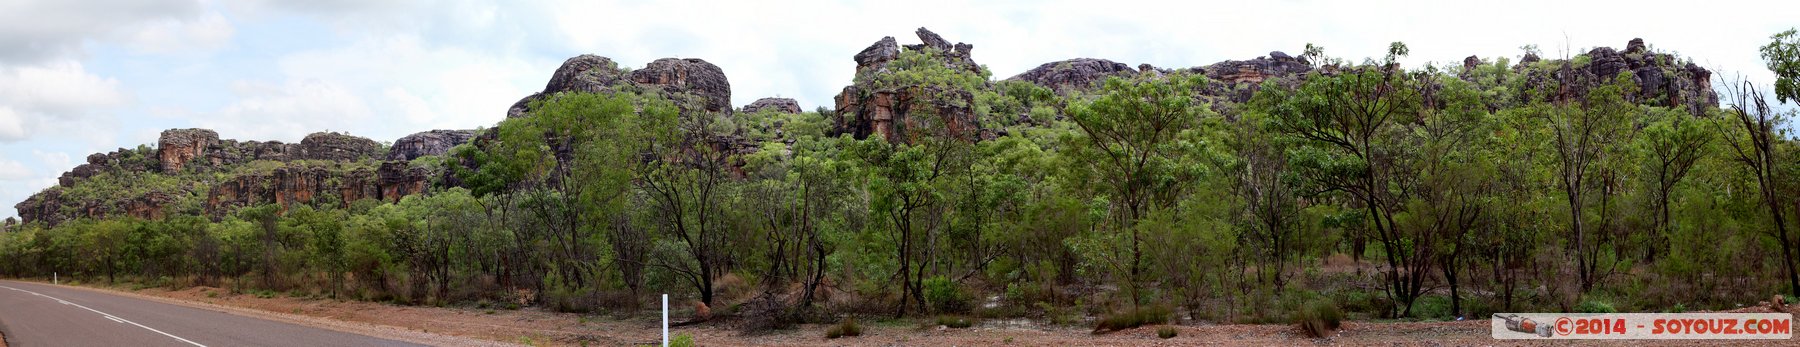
x=435, y=142
x=338, y=147
x=902, y=113
x=785, y=105
x=1661, y=80
x=1076, y=74
x=177, y=146
x=677, y=79
x=1276, y=64
x=691, y=76
x=877, y=55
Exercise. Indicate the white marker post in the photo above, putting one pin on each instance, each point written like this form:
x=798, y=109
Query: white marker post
x=53, y=279
x=665, y=320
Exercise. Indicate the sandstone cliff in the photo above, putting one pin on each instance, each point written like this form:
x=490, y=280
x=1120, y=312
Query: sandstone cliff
x=905, y=112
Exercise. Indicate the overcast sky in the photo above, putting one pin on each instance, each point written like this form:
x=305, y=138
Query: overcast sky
x=79, y=77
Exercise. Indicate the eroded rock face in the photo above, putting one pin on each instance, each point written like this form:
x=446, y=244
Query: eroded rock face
x=907, y=112
x=1077, y=74
x=338, y=147
x=308, y=184
x=785, y=105
x=435, y=142
x=692, y=76
x=177, y=146
x=890, y=114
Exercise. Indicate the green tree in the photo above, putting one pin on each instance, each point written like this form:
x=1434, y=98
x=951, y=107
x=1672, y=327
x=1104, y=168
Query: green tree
x=1129, y=130
x=1782, y=55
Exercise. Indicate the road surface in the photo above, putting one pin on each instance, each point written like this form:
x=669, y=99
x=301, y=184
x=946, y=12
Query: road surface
x=35, y=314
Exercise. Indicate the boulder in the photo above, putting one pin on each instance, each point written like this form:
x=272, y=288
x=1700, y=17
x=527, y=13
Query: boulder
x=877, y=55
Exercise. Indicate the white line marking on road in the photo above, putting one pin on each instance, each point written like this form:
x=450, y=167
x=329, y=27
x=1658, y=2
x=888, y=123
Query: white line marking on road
x=108, y=316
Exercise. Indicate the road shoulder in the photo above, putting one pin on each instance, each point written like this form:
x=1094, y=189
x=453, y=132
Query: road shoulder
x=359, y=328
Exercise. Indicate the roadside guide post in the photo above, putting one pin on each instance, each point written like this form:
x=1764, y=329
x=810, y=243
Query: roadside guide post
x=665, y=321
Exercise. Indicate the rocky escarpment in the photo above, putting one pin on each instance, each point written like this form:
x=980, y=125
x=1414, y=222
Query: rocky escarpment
x=435, y=142
x=901, y=113
x=1661, y=78
x=194, y=171
x=784, y=105
x=694, y=83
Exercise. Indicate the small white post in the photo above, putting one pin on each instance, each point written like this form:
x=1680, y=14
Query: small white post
x=665, y=320
x=54, y=280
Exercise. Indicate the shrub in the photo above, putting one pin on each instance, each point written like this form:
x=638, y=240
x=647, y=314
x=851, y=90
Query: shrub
x=1167, y=332
x=1318, y=318
x=847, y=328
x=682, y=340
x=944, y=296
x=1432, y=307
x=1132, y=319
x=954, y=322
x=1594, y=306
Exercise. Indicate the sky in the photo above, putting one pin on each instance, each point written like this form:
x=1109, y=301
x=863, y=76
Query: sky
x=86, y=76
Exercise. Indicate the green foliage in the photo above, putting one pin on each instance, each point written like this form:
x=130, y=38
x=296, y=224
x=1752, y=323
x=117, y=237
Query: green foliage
x=1318, y=318
x=846, y=328
x=1167, y=332
x=682, y=340
x=1782, y=55
x=1594, y=306
x=945, y=295
x=1132, y=319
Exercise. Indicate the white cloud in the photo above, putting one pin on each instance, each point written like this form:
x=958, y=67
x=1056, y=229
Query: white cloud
x=55, y=99
x=414, y=108
x=178, y=35
x=288, y=111
x=12, y=126
x=13, y=170
x=54, y=162
x=424, y=86
x=39, y=31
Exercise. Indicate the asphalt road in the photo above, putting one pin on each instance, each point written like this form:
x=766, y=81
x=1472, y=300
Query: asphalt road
x=33, y=314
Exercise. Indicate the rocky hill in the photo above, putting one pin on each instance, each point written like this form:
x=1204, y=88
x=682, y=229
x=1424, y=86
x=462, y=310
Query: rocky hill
x=194, y=171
